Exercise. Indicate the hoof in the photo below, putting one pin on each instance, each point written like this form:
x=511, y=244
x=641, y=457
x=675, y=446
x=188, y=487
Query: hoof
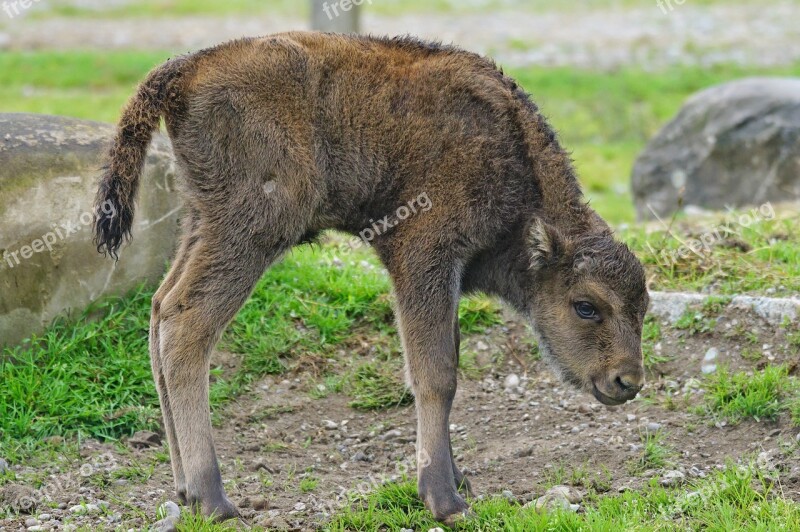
x=458, y=518
x=218, y=508
x=222, y=511
x=447, y=507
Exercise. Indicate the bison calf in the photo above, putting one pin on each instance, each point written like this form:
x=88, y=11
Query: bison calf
x=281, y=137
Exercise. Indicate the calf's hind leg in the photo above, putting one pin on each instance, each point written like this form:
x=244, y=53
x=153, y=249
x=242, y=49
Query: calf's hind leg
x=188, y=240
x=218, y=276
x=427, y=305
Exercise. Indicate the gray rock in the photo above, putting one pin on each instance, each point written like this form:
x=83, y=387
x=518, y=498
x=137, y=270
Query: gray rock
x=653, y=426
x=735, y=144
x=511, y=381
x=170, y=509
x=557, y=497
x=144, y=439
x=48, y=179
x=168, y=524
x=672, y=478
x=3, y=466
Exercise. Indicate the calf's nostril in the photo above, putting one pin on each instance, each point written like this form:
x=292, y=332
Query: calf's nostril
x=628, y=385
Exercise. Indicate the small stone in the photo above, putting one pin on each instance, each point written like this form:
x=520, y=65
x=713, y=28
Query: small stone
x=329, y=424
x=508, y=494
x=3, y=466
x=481, y=345
x=170, y=509
x=300, y=506
x=631, y=418
x=168, y=524
x=557, y=497
x=708, y=368
x=360, y=456
x=585, y=408
x=672, y=479
x=260, y=504
x=436, y=529
x=653, y=426
x=390, y=435
x=31, y=522
x=45, y=517
x=145, y=439
x=696, y=472
x=711, y=355
x=511, y=382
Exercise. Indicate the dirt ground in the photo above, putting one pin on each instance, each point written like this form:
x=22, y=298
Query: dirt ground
x=516, y=431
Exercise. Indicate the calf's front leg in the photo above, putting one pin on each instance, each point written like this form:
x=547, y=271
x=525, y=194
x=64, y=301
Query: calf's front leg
x=427, y=309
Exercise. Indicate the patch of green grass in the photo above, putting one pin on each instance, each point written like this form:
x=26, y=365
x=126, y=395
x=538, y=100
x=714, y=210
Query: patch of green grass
x=307, y=304
x=90, y=376
x=737, y=396
x=733, y=499
x=477, y=313
x=308, y=484
x=694, y=322
x=651, y=335
x=374, y=386
x=86, y=377
x=655, y=453
x=765, y=254
x=271, y=412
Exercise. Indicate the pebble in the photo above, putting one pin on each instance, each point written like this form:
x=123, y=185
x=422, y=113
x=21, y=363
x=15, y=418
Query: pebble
x=360, y=456
x=709, y=361
x=330, y=425
x=3, y=466
x=511, y=381
x=170, y=509
x=436, y=529
x=31, y=522
x=631, y=418
x=653, y=426
x=300, y=506
x=172, y=515
x=672, y=478
x=83, y=509
x=557, y=497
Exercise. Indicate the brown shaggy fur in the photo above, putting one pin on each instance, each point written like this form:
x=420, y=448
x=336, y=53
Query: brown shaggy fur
x=281, y=137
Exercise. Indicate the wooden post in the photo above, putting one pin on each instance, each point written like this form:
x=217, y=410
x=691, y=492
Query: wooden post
x=340, y=16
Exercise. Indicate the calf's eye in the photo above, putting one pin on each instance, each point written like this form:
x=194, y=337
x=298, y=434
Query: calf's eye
x=586, y=310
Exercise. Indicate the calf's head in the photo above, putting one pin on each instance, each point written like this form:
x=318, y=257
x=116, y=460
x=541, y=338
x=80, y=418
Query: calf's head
x=588, y=305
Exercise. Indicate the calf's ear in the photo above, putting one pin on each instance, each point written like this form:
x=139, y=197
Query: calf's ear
x=546, y=244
